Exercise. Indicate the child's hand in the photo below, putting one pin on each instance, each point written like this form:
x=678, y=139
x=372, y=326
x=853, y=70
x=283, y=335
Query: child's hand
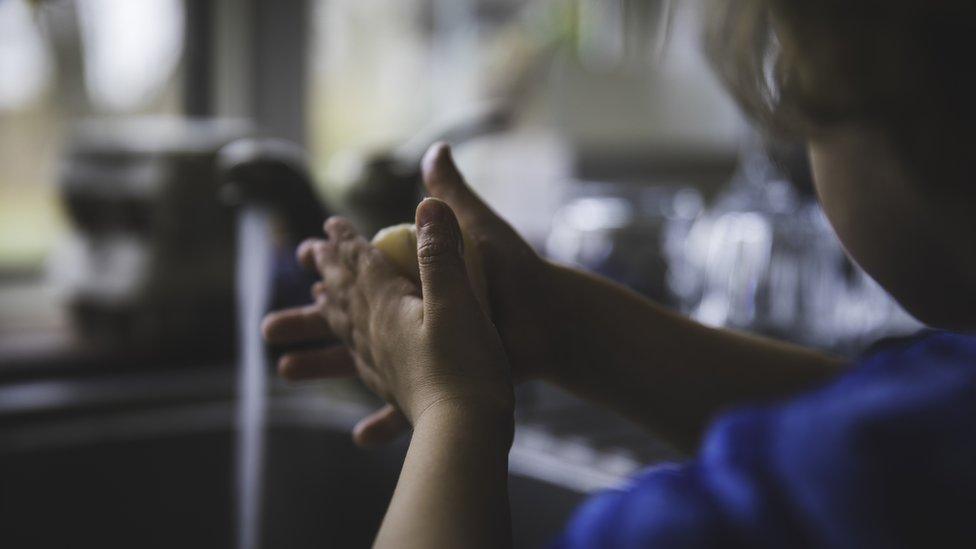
x=519, y=288
x=412, y=351
x=520, y=283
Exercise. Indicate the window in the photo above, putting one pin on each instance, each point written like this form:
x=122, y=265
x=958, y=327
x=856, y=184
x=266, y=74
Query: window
x=63, y=61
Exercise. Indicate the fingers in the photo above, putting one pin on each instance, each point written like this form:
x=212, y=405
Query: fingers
x=339, y=228
x=443, y=180
x=317, y=364
x=380, y=427
x=312, y=251
x=358, y=283
x=349, y=254
x=305, y=253
x=439, y=254
x=296, y=325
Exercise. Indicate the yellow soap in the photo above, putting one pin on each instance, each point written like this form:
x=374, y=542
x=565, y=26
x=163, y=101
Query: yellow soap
x=399, y=244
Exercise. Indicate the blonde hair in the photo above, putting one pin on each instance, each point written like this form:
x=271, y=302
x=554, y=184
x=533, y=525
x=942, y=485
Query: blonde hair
x=803, y=66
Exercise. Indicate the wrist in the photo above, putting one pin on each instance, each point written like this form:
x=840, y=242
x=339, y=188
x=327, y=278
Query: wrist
x=484, y=393
x=553, y=319
x=565, y=318
x=489, y=421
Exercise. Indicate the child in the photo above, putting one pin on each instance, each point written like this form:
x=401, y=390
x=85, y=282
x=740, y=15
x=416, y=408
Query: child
x=791, y=448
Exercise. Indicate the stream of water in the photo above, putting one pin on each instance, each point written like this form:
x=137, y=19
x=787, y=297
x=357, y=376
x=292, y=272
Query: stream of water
x=254, y=263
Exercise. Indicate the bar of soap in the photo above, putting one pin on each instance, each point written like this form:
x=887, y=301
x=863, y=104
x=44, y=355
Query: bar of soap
x=399, y=244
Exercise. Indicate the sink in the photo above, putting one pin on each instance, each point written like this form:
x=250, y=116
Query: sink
x=164, y=477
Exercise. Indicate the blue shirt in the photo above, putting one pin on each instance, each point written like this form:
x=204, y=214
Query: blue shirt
x=885, y=456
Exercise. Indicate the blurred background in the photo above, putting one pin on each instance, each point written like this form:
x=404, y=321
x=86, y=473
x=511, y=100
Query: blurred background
x=159, y=160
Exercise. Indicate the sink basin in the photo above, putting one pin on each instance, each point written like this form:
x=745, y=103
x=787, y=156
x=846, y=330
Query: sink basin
x=165, y=478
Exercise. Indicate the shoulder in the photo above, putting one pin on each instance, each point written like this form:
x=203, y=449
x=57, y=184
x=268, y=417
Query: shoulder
x=882, y=457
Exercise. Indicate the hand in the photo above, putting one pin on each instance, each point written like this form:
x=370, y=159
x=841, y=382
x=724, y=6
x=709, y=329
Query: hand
x=519, y=281
x=412, y=351
x=519, y=291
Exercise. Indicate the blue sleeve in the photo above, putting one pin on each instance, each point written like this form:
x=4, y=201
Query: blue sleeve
x=884, y=457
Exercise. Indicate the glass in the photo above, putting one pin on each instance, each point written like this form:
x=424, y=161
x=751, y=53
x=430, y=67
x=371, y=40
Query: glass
x=764, y=258
x=624, y=232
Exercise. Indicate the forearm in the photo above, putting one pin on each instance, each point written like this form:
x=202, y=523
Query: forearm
x=664, y=370
x=453, y=488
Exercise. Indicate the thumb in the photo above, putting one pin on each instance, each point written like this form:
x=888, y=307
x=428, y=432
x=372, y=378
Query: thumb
x=444, y=181
x=443, y=277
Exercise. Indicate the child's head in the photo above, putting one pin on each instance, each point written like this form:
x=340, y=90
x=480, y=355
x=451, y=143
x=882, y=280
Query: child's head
x=882, y=91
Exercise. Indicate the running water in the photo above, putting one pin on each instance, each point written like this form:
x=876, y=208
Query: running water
x=253, y=284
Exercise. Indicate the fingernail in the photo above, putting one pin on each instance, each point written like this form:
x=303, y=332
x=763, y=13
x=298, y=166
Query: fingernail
x=444, y=153
x=304, y=248
x=430, y=211
x=438, y=157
